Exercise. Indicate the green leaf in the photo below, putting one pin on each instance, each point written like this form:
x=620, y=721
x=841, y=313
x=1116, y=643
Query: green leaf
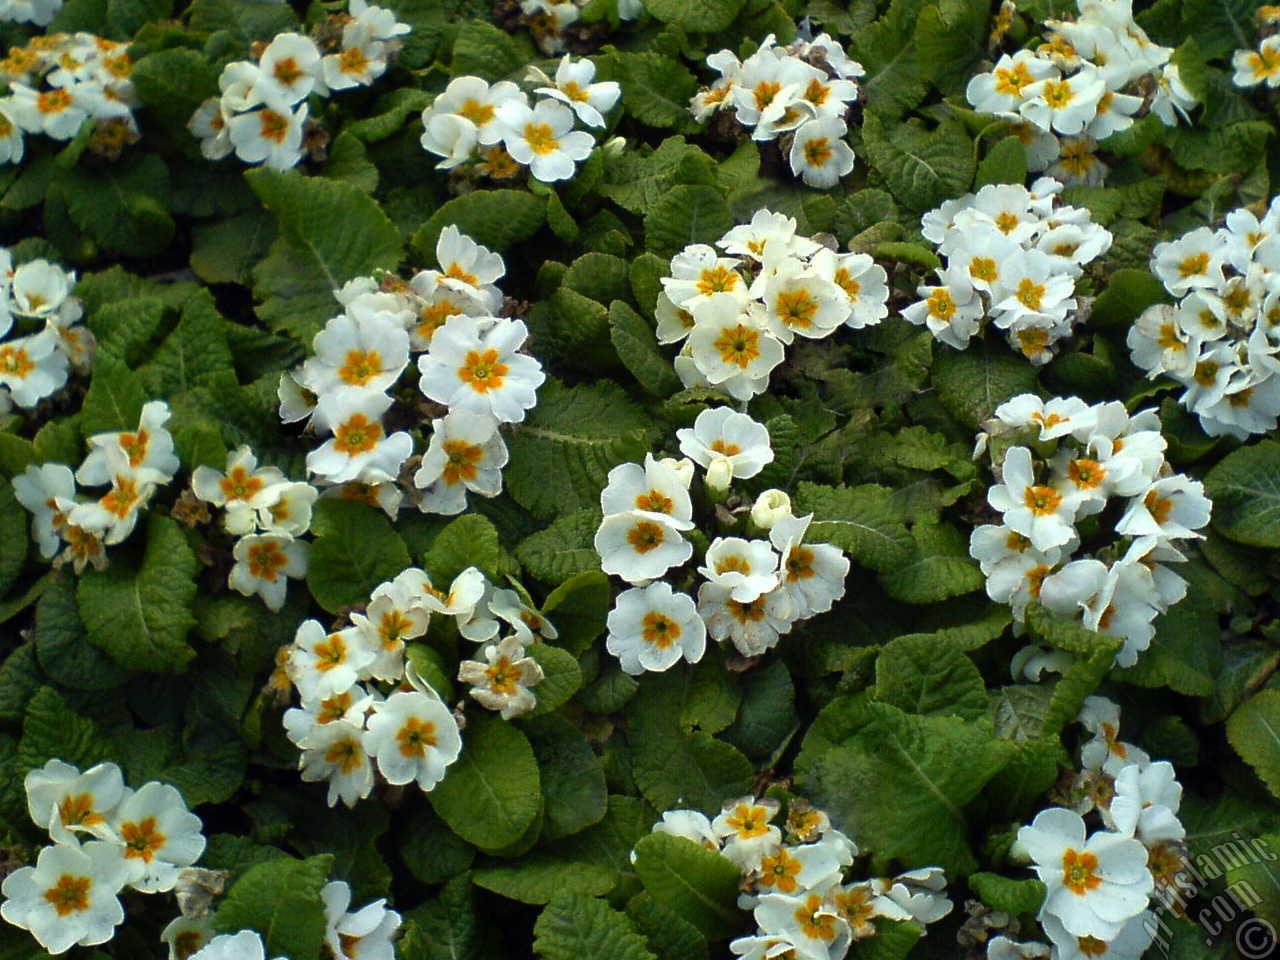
x=491, y=794
x=1186, y=652
x=573, y=787
x=348, y=161
x=355, y=550
x=576, y=927
x=225, y=251
x=20, y=678
x=575, y=331
x=115, y=398
x=951, y=39
x=541, y=874
x=195, y=351
x=972, y=383
x=1006, y=162
x=173, y=83
x=123, y=207
x=637, y=346
x=1254, y=732
x=13, y=537
x=443, y=928
x=1010, y=896
x=562, y=677
x=1220, y=26
x=669, y=936
x=578, y=608
x=700, y=16
x=281, y=900
x=562, y=455
x=940, y=567
x=767, y=713
x=1127, y=294
x=330, y=232
x=1095, y=654
x=686, y=214
x=922, y=167
x=468, y=541
x=931, y=679
x=52, y=729
x=396, y=106
x=483, y=49
x=1245, y=489
x=636, y=181
x=496, y=219
x=863, y=521
x=432, y=852
x=891, y=779
x=695, y=883
x=656, y=90
x=563, y=550
x=63, y=647
x=140, y=612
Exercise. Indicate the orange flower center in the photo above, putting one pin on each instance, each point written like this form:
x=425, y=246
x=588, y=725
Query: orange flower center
x=416, y=736
x=70, y=894
x=483, y=371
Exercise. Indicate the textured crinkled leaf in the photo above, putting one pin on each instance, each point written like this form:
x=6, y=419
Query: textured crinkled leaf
x=140, y=613
x=491, y=794
x=578, y=608
x=195, y=350
x=62, y=643
x=13, y=537
x=1127, y=294
x=890, y=779
x=922, y=167
x=432, y=852
x=576, y=331
x=396, y=106
x=20, y=678
x=246, y=19
x=1254, y=732
x=1220, y=26
x=564, y=549
x=928, y=678
x=355, y=550
x=637, y=346
x=1245, y=489
x=656, y=90
x=670, y=936
x=493, y=218
x=695, y=883
x=562, y=677
x=1006, y=162
x=1095, y=653
x=1186, y=652
x=636, y=181
x=973, y=382
x=226, y=251
x=939, y=567
x=481, y=48
x=573, y=787
x=1010, y=896
x=123, y=207
x=348, y=161
x=280, y=899
x=445, y=927
x=577, y=927
x=330, y=232
x=468, y=541
x=600, y=276
x=951, y=39
x=115, y=398
x=174, y=82
x=862, y=521
x=767, y=713
x=1017, y=791
x=575, y=435
x=52, y=729
x=686, y=214
x=541, y=874
x=701, y=16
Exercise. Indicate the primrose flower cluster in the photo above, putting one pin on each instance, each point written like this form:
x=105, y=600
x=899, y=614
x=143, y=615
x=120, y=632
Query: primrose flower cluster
x=1062, y=461
x=363, y=705
x=1100, y=886
x=136, y=464
x=495, y=129
x=1221, y=339
x=261, y=113
x=1261, y=64
x=106, y=836
x=794, y=879
x=269, y=513
x=60, y=81
x=736, y=312
x=753, y=591
x=469, y=361
x=367, y=933
x=799, y=94
x=1070, y=92
x=36, y=301
x=1013, y=256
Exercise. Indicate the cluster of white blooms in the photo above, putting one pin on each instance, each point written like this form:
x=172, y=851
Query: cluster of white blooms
x=1221, y=340
x=1069, y=93
x=141, y=838
x=36, y=296
x=754, y=590
x=798, y=93
x=495, y=128
x=1012, y=255
x=549, y=20
x=1062, y=462
x=469, y=360
x=794, y=879
x=737, y=312
x=134, y=463
x=261, y=113
x=367, y=933
x=1100, y=886
x=363, y=705
x=269, y=513
x=58, y=82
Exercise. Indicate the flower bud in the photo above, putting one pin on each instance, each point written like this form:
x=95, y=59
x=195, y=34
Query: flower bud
x=770, y=507
x=719, y=475
x=683, y=468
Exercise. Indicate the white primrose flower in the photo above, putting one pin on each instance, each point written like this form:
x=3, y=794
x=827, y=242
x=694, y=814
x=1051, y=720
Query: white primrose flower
x=1146, y=803
x=114, y=515
x=243, y=483
x=148, y=451
x=413, y=738
x=1193, y=261
x=71, y=895
x=360, y=449
x=812, y=574
x=63, y=800
x=653, y=627
x=245, y=945
x=951, y=310
x=57, y=113
x=1105, y=751
x=746, y=568
x=366, y=934
x=1002, y=948
x=809, y=866
x=1015, y=571
x=288, y=511
x=186, y=935
x=503, y=680
x=160, y=836
x=474, y=100
x=41, y=290
x=49, y=492
x=690, y=824
x=752, y=627
x=323, y=664
x=288, y=69
x=1036, y=511
x=450, y=136
x=270, y=135
x=362, y=60
x=481, y=371
x=1010, y=83
x=819, y=154
x=864, y=282
x=466, y=452
x=380, y=22
x=699, y=273
x=465, y=266
x=655, y=487
x=356, y=355
x=640, y=545
x=768, y=238
x=396, y=613
x=263, y=562
x=745, y=829
x=542, y=138
x=731, y=347
x=721, y=434
x=771, y=506
x=860, y=903
x=573, y=86
x=810, y=920
x=801, y=302
x=1173, y=98
x=350, y=706
x=336, y=752
x=1092, y=886
x=32, y=368
x=11, y=136
x=920, y=893
x=1253, y=67
x=1129, y=944
x=1171, y=508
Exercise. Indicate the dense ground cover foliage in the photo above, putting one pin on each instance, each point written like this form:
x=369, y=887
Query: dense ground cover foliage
x=657, y=479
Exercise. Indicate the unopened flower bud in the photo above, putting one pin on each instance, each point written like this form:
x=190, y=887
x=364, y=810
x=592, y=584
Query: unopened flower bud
x=770, y=507
x=719, y=475
x=683, y=468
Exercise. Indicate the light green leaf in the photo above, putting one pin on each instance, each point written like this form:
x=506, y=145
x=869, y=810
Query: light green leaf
x=140, y=613
x=562, y=677
x=972, y=383
x=1127, y=294
x=349, y=162
x=280, y=899
x=52, y=729
x=355, y=550
x=491, y=794
x=432, y=852
x=481, y=48
x=578, y=608
x=1010, y=896
x=1095, y=653
x=123, y=207
x=671, y=937
x=563, y=550
x=1006, y=162
x=115, y=398
x=656, y=90
x=194, y=351
x=445, y=927
x=922, y=167
x=951, y=39
x=939, y=567
x=699, y=16
x=493, y=218
x=576, y=927
x=173, y=83
x=63, y=647
x=330, y=232
x=573, y=437
x=1245, y=489
x=863, y=521
x=1254, y=732
x=636, y=344
x=541, y=874
x=468, y=541
x=636, y=181
x=1220, y=26
x=695, y=883
x=930, y=679
x=686, y=214
x=396, y=106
